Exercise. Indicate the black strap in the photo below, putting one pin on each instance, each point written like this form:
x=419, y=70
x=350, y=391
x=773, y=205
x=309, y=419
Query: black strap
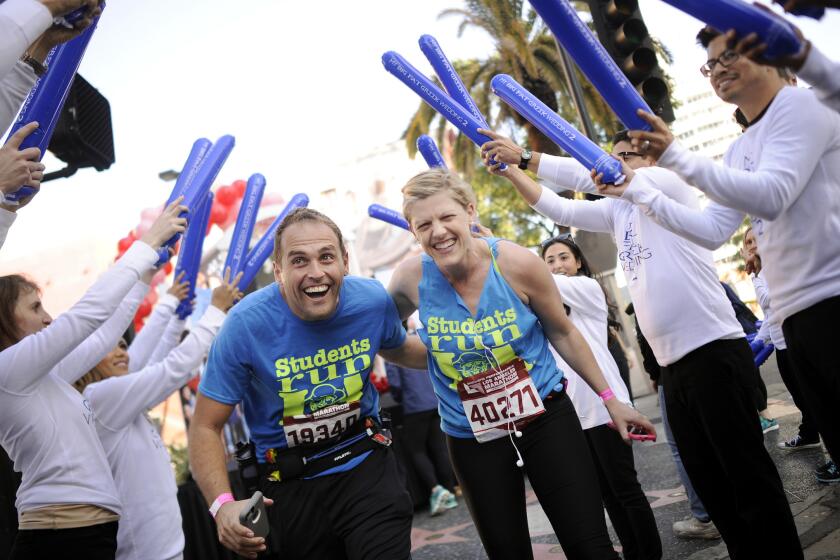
x=291, y=464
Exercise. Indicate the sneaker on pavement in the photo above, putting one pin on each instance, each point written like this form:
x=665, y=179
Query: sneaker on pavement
x=450, y=502
x=693, y=528
x=437, y=503
x=797, y=442
x=828, y=473
x=768, y=424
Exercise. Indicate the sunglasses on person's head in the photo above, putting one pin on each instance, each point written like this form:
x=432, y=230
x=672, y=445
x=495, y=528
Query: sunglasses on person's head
x=726, y=60
x=557, y=238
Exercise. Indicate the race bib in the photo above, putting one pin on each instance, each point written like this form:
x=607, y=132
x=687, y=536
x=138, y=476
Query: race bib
x=326, y=423
x=498, y=401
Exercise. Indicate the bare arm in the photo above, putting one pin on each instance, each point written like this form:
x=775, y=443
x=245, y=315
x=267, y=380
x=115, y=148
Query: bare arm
x=403, y=287
x=207, y=463
x=530, y=278
x=412, y=354
x=207, y=454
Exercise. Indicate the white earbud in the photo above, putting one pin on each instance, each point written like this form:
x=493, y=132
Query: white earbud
x=517, y=433
x=519, y=463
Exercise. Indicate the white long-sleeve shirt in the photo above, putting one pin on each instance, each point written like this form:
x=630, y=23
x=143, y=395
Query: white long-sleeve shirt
x=21, y=22
x=171, y=337
x=6, y=220
x=150, y=526
x=94, y=348
x=14, y=87
x=824, y=75
x=783, y=171
x=46, y=426
x=679, y=301
x=588, y=312
x=771, y=329
x=150, y=337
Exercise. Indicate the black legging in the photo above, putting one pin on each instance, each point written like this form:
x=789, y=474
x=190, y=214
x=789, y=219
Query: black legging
x=807, y=427
x=759, y=392
x=623, y=496
x=562, y=474
x=427, y=449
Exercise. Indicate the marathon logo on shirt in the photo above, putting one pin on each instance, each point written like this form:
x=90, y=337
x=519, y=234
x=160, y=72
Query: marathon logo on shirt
x=323, y=379
x=466, y=348
x=632, y=254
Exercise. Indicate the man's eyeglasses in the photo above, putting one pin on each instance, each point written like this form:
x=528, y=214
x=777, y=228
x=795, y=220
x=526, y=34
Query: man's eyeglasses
x=726, y=60
x=625, y=156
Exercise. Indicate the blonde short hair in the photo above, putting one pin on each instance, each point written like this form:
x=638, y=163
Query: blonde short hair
x=434, y=181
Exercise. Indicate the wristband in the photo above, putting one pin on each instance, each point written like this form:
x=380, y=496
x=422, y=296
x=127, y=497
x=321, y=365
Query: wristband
x=219, y=502
x=606, y=394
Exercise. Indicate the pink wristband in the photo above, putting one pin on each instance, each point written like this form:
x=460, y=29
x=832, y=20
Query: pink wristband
x=606, y=394
x=219, y=502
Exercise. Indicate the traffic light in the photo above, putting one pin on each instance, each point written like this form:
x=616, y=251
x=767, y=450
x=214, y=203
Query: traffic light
x=623, y=33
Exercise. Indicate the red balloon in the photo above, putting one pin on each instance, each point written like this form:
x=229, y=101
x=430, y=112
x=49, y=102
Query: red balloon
x=226, y=195
x=167, y=268
x=159, y=277
x=144, y=309
x=239, y=187
x=218, y=213
x=124, y=243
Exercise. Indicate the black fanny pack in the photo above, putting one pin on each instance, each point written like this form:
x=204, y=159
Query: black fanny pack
x=308, y=461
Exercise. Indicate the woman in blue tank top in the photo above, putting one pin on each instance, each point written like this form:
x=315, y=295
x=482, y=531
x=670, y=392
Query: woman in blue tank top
x=490, y=309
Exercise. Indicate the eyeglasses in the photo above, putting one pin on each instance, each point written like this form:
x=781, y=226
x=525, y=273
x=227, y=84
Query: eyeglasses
x=625, y=155
x=726, y=60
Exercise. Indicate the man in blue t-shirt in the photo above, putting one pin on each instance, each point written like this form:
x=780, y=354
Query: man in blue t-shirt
x=298, y=355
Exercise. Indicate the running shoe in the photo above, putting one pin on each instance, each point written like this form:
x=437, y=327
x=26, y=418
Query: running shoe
x=693, y=528
x=451, y=502
x=828, y=473
x=437, y=503
x=797, y=442
x=768, y=424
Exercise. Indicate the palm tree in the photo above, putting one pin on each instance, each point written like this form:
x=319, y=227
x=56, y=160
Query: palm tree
x=527, y=51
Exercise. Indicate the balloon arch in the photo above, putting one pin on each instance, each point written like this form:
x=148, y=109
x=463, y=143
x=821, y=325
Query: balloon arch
x=223, y=213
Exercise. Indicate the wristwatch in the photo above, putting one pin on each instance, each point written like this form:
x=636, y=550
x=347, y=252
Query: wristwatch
x=524, y=159
x=36, y=66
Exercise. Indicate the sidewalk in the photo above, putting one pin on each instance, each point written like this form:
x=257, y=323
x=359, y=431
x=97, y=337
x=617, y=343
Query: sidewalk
x=816, y=507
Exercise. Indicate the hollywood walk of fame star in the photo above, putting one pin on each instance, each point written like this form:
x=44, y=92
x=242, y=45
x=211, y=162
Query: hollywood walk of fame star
x=423, y=537
x=666, y=497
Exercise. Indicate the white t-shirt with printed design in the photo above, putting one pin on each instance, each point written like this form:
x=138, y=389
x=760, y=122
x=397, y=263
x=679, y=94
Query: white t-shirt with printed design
x=676, y=293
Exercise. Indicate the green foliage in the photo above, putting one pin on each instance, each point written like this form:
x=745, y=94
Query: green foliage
x=527, y=51
x=180, y=460
x=508, y=216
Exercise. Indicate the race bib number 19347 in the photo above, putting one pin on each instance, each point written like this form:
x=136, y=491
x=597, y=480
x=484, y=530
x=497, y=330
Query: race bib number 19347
x=498, y=401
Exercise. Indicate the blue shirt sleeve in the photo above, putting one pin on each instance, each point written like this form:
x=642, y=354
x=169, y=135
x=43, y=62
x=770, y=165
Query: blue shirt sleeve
x=227, y=375
x=393, y=333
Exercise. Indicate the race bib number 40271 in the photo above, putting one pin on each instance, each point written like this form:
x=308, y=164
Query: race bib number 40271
x=329, y=422
x=498, y=401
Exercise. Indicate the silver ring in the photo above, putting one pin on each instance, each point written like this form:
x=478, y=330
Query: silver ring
x=645, y=145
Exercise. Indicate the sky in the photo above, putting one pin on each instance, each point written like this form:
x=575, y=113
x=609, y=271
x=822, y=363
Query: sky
x=300, y=85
